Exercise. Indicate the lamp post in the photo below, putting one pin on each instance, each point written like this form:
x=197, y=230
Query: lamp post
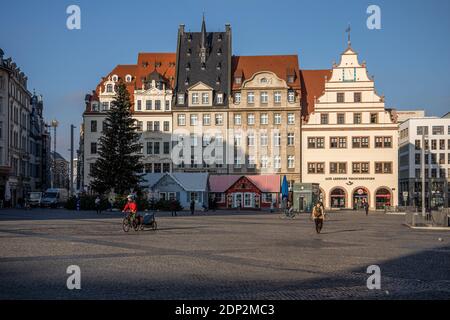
x=54, y=125
x=423, y=172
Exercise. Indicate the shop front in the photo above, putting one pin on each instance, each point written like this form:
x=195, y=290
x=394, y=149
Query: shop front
x=360, y=195
x=245, y=192
x=383, y=198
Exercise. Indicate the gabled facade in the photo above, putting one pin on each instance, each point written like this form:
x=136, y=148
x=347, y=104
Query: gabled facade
x=150, y=85
x=203, y=57
x=350, y=140
x=201, y=97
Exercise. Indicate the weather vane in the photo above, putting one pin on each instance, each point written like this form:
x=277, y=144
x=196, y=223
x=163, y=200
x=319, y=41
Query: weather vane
x=348, y=30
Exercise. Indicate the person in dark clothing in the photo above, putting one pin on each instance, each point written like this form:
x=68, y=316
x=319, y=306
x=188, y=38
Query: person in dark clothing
x=97, y=205
x=192, y=207
x=173, y=208
x=366, y=207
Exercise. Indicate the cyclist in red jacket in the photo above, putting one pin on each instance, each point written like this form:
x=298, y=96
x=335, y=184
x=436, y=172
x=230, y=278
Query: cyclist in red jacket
x=131, y=207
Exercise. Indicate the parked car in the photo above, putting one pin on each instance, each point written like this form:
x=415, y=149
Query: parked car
x=34, y=199
x=54, y=198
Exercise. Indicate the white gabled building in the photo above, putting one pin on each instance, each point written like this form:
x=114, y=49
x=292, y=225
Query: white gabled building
x=150, y=84
x=349, y=140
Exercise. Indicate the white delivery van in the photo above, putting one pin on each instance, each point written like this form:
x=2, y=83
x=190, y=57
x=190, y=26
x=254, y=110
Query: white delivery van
x=54, y=197
x=34, y=199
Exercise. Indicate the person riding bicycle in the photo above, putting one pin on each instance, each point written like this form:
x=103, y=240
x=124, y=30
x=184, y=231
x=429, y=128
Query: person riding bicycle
x=130, y=207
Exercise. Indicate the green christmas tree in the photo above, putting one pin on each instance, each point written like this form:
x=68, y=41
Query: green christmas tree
x=118, y=167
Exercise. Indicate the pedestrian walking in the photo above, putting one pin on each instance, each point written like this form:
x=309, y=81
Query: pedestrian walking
x=366, y=206
x=318, y=217
x=97, y=205
x=192, y=207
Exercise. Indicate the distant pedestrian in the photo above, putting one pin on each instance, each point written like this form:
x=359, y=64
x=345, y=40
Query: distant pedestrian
x=192, y=207
x=272, y=206
x=173, y=208
x=97, y=205
x=366, y=206
x=318, y=217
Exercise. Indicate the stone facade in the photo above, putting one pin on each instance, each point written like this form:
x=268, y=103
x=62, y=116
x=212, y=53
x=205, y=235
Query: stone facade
x=24, y=139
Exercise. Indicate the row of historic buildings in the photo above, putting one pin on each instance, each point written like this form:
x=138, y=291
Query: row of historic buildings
x=24, y=138
x=255, y=115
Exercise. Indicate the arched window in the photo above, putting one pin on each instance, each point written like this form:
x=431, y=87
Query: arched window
x=383, y=198
x=115, y=78
x=128, y=78
x=337, y=198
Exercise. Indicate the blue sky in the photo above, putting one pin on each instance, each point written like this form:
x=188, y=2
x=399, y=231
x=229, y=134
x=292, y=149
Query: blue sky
x=409, y=56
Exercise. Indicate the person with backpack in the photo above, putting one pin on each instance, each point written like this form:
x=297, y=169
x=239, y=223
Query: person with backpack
x=318, y=217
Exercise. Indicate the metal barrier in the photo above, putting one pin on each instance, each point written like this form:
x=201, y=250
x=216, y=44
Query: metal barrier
x=433, y=219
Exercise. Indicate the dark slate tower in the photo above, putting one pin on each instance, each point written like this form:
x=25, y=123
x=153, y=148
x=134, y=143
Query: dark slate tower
x=203, y=57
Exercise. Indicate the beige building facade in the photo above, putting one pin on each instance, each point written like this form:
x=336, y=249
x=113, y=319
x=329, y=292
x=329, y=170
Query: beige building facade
x=265, y=117
x=350, y=141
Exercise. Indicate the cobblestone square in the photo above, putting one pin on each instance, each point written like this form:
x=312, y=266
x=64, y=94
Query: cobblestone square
x=220, y=255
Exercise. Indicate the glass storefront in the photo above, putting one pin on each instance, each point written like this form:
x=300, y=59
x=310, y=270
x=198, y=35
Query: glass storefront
x=383, y=198
x=359, y=196
x=337, y=198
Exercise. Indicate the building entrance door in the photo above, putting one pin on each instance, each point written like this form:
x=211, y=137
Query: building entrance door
x=237, y=200
x=249, y=200
x=359, y=197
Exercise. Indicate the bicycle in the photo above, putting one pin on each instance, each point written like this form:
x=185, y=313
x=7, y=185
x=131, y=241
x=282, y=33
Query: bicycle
x=288, y=213
x=128, y=222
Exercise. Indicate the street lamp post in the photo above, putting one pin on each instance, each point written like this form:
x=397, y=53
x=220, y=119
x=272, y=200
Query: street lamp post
x=423, y=172
x=54, y=125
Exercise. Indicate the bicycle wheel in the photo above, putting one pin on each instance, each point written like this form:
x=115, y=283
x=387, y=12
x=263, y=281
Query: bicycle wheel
x=125, y=225
x=135, y=225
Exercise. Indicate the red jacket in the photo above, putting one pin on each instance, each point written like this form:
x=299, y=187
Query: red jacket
x=130, y=206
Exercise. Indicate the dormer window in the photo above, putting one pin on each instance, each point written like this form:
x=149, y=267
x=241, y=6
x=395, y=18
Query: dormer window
x=188, y=66
x=238, y=80
x=290, y=78
x=218, y=80
x=189, y=37
x=219, y=38
x=219, y=66
x=219, y=99
x=189, y=51
x=109, y=88
x=128, y=78
x=180, y=98
x=186, y=82
x=219, y=52
x=203, y=66
x=263, y=80
x=95, y=107
x=114, y=78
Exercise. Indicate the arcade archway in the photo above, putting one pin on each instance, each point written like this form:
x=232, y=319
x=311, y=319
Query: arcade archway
x=337, y=198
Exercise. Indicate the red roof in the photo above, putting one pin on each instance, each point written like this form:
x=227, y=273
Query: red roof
x=281, y=65
x=313, y=86
x=164, y=63
x=265, y=183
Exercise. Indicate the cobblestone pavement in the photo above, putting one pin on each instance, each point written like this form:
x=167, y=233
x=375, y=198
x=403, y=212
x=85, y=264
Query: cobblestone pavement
x=220, y=255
